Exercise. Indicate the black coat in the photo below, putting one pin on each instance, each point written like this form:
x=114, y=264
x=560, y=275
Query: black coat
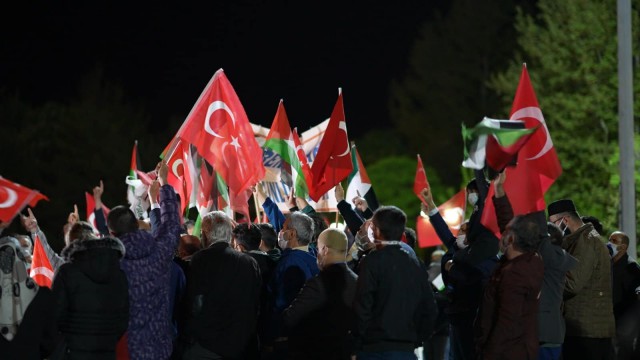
x=625, y=279
x=321, y=318
x=394, y=305
x=92, y=298
x=36, y=337
x=223, y=293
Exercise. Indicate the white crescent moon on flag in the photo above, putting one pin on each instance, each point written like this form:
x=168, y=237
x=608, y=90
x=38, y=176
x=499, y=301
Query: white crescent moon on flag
x=12, y=197
x=535, y=113
x=213, y=107
x=174, y=168
x=343, y=125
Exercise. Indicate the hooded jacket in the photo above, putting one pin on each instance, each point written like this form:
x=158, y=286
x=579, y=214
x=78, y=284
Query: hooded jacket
x=92, y=306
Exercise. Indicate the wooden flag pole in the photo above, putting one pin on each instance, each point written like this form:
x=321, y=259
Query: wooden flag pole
x=255, y=202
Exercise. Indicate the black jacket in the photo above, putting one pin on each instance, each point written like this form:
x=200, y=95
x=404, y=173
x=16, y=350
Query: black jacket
x=394, y=304
x=223, y=293
x=36, y=337
x=321, y=318
x=626, y=278
x=92, y=299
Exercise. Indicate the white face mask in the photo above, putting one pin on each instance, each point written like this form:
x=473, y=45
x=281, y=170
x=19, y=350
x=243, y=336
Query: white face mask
x=282, y=243
x=370, y=234
x=460, y=241
x=473, y=199
x=613, y=248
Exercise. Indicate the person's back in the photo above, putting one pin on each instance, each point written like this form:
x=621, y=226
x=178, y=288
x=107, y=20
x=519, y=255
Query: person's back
x=394, y=303
x=92, y=298
x=321, y=318
x=223, y=294
x=147, y=264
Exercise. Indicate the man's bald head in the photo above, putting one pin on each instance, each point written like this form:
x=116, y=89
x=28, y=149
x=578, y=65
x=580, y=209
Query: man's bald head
x=618, y=237
x=334, y=239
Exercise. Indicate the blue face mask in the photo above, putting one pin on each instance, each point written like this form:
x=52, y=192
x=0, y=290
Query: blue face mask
x=613, y=249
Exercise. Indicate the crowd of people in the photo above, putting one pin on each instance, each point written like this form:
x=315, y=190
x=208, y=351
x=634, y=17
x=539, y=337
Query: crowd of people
x=296, y=288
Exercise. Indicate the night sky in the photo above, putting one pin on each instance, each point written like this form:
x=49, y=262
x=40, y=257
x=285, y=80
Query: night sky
x=164, y=54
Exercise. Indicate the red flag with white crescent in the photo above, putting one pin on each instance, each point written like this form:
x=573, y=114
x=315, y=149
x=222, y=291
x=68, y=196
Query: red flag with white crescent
x=41, y=269
x=14, y=197
x=219, y=129
x=538, y=166
x=332, y=163
x=91, y=205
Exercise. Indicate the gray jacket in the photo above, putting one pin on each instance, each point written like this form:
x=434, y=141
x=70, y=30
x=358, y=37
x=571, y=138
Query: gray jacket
x=551, y=326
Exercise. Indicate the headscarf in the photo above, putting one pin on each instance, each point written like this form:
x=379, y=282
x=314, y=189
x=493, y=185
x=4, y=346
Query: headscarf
x=18, y=289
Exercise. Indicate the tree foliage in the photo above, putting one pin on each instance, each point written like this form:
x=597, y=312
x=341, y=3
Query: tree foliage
x=570, y=49
x=64, y=149
x=445, y=85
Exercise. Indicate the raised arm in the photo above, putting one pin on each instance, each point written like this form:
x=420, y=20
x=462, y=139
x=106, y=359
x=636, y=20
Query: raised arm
x=503, y=209
x=353, y=220
x=169, y=229
x=276, y=218
x=438, y=223
x=31, y=225
x=101, y=221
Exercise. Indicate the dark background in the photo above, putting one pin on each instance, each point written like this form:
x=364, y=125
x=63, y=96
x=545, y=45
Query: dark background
x=163, y=55
x=80, y=81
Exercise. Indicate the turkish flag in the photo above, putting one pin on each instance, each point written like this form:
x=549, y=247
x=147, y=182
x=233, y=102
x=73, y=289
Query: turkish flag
x=452, y=212
x=219, y=129
x=180, y=177
x=91, y=205
x=538, y=165
x=420, y=181
x=41, y=269
x=14, y=197
x=332, y=163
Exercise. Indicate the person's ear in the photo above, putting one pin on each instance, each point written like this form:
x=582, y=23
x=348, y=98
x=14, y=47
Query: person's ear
x=623, y=247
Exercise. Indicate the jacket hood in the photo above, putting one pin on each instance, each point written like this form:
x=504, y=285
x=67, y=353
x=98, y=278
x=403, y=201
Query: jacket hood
x=99, y=259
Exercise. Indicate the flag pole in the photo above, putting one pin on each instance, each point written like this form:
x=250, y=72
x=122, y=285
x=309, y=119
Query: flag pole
x=255, y=203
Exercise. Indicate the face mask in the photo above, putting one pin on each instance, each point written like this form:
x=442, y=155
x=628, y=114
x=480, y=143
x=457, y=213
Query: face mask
x=460, y=241
x=282, y=242
x=565, y=229
x=613, y=249
x=370, y=234
x=472, y=199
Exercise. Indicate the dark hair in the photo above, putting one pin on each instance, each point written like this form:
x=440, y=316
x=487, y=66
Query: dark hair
x=595, y=222
x=247, y=236
x=527, y=233
x=81, y=230
x=410, y=235
x=188, y=245
x=268, y=235
x=121, y=220
x=390, y=222
x=320, y=225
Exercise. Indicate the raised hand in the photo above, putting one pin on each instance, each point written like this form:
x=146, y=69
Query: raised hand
x=428, y=199
x=360, y=202
x=339, y=192
x=154, y=191
x=291, y=199
x=73, y=217
x=163, y=171
x=97, y=194
x=29, y=222
x=259, y=193
x=301, y=202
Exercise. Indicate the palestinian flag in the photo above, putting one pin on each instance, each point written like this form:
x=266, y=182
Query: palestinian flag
x=358, y=182
x=494, y=143
x=281, y=140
